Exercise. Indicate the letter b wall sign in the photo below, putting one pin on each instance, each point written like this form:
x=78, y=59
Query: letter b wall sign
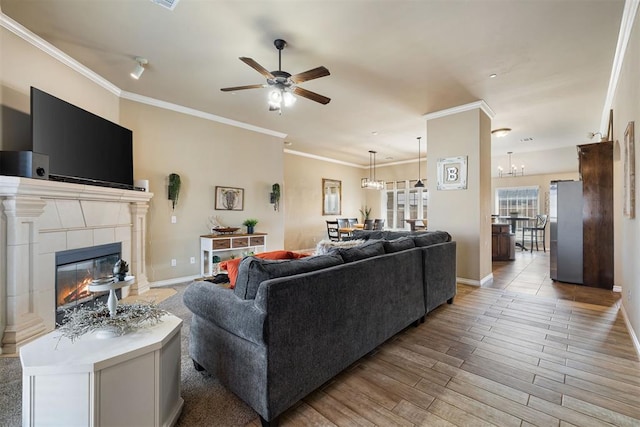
x=452, y=173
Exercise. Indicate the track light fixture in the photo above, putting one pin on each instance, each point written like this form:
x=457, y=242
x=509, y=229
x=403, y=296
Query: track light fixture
x=140, y=63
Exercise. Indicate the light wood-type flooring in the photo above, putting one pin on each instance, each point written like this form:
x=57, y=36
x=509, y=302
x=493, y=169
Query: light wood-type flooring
x=525, y=351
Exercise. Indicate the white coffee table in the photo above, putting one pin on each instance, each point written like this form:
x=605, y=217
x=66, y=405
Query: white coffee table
x=130, y=380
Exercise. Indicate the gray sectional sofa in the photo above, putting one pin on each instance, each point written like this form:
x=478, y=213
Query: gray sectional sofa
x=291, y=325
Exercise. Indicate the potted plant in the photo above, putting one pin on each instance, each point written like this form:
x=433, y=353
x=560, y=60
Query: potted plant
x=365, y=213
x=250, y=223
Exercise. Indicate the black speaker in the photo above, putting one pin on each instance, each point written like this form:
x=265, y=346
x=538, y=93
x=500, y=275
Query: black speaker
x=26, y=164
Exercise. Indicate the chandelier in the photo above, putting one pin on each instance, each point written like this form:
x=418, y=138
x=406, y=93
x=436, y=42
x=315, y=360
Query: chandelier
x=513, y=170
x=371, y=183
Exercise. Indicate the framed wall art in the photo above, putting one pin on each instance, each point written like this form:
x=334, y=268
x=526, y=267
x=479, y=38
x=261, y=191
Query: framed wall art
x=331, y=197
x=229, y=199
x=452, y=173
x=629, y=209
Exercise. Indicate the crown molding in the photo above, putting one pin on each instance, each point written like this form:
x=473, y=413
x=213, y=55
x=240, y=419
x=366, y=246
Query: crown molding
x=481, y=104
x=626, y=26
x=56, y=53
x=67, y=60
x=197, y=113
x=322, y=158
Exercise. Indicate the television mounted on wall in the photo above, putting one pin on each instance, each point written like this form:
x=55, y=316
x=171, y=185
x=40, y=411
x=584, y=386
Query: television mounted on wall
x=82, y=147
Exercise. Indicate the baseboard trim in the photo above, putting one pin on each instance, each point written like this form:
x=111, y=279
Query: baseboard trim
x=174, y=281
x=632, y=333
x=472, y=282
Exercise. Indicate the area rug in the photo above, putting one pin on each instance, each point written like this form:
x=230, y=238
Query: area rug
x=206, y=401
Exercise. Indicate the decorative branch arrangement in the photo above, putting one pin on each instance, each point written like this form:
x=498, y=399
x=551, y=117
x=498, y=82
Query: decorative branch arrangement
x=82, y=320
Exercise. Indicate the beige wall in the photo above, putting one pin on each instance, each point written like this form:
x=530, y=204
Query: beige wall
x=463, y=213
x=302, y=198
x=23, y=66
x=205, y=154
x=626, y=108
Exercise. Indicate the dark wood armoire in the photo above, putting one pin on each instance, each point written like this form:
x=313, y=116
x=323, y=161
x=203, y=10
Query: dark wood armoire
x=596, y=173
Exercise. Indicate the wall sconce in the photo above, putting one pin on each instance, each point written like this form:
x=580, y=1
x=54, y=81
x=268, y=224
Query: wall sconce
x=174, y=189
x=274, y=196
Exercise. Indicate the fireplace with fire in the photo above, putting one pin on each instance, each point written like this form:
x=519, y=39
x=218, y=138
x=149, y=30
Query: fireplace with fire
x=76, y=268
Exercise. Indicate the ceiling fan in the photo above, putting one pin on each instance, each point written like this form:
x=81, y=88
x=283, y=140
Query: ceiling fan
x=283, y=84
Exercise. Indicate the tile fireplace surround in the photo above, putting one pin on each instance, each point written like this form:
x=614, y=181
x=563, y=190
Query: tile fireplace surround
x=39, y=218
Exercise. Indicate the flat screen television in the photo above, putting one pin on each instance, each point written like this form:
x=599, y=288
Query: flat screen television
x=82, y=147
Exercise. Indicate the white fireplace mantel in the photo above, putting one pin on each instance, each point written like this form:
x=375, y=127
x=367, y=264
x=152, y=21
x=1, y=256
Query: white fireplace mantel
x=39, y=218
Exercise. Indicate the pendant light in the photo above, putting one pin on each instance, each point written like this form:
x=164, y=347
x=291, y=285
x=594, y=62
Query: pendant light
x=419, y=184
x=371, y=183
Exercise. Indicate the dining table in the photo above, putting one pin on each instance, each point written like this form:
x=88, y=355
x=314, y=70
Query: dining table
x=513, y=220
x=347, y=231
x=412, y=223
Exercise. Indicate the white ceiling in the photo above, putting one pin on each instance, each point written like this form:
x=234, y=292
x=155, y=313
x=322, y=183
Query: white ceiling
x=391, y=62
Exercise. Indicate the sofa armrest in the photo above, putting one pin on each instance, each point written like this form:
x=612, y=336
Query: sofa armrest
x=223, y=308
x=439, y=274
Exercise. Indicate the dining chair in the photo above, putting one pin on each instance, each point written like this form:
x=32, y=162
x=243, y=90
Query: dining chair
x=343, y=224
x=368, y=224
x=378, y=224
x=352, y=222
x=540, y=226
x=332, y=231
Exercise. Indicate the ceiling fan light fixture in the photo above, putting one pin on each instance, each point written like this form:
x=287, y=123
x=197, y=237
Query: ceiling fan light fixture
x=275, y=98
x=502, y=132
x=139, y=69
x=288, y=98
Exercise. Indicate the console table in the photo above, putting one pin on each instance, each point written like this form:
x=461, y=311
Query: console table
x=132, y=380
x=228, y=244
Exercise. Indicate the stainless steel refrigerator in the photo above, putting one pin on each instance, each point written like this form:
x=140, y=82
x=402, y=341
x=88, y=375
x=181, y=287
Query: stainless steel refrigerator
x=565, y=222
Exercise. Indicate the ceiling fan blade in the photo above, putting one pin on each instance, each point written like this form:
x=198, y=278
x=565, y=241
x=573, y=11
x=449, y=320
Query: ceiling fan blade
x=233, y=89
x=311, y=95
x=316, y=73
x=259, y=68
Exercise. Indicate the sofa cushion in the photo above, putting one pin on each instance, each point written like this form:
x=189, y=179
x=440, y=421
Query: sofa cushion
x=232, y=265
x=399, y=244
x=253, y=271
x=431, y=238
x=366, y=250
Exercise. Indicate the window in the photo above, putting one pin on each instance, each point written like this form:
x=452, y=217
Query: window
x=523, y=200
x=404, y=201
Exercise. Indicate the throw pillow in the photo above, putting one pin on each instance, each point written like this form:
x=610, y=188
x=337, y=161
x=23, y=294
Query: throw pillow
x=324, y=246
x=232, y=265
x=253, y=271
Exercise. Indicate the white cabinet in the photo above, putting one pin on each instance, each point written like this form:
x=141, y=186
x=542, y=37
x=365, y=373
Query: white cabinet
x=226, y=245
x=130, y=380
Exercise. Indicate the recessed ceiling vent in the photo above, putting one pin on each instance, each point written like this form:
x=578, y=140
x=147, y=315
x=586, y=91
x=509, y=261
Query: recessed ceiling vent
x=169, y=4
